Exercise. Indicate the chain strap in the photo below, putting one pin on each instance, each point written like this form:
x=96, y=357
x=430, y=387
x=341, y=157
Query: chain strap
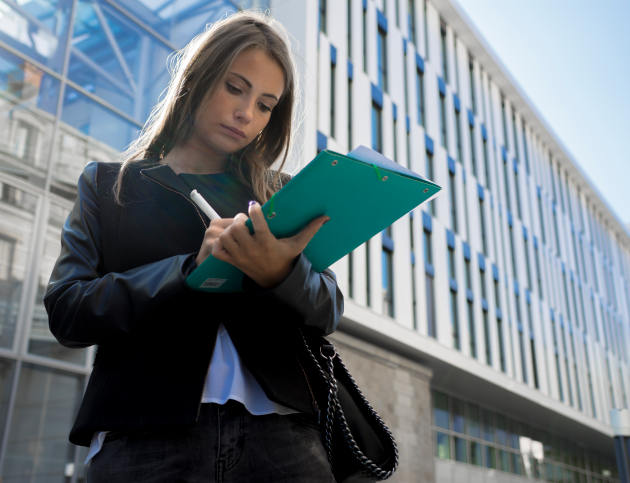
x=335, y=411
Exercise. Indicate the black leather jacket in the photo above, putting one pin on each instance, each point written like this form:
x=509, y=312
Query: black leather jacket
x=119, y=283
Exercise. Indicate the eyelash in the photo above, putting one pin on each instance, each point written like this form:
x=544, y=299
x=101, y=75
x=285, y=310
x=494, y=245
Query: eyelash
x=234, y=90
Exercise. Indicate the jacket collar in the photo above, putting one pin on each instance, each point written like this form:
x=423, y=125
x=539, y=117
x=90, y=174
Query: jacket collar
x=164, y=175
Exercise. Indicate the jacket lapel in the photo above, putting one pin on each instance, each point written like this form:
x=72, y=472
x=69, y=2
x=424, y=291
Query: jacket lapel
x=164, y=175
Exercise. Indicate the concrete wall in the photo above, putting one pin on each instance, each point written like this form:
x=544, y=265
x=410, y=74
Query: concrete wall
x=398, y=389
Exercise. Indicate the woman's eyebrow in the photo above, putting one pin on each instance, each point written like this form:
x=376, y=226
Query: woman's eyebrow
x=249, y=84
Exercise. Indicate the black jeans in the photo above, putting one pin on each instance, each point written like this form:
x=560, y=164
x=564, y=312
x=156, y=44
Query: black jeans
x=226, y=445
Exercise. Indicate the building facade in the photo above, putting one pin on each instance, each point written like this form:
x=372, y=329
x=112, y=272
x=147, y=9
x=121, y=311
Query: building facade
x=488, y=327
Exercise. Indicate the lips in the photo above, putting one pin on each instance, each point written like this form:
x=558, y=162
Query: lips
x=238, y=132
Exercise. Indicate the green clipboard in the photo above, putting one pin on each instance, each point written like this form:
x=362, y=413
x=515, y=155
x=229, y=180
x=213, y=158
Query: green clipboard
x=362, y=193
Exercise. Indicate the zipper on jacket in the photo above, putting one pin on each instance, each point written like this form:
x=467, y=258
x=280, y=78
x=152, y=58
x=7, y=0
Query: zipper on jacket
x=205, y=379
x=182, y=195
x=314, y=403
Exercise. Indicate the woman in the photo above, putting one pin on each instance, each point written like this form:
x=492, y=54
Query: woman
x=192, y=386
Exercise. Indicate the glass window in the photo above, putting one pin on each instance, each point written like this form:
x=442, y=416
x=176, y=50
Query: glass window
x=458, y=135
x=6, y=381
x=180, y=20
x=428, y=252
x=504, y=461
x=377, y=129
x=41, y=340
x=475, y=453
x=322, y=16
x=37, y=29
x=517, y=467
x=17, y=214
x=92, y=119
x=430, y=301
x=444, y=51
x=46, y=404
x=488, y=427
x=471, y=74
x=428, y=160
x=382, y=59
x=116, y=60
x=453, y=200
x=442, y=112
x=472, y=427
x=388, y=282
x=28, y=103
x=74, y=150
x=420, y=96
x=490, y=457
x=458, y=415
x=443, y=445
x=440, y=402
x=454, y=320
x=500, y=430
x=411, y=20
x=460, y=450
x=333, y=69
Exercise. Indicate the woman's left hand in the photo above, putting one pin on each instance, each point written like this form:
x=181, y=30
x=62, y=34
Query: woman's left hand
x=264, y=258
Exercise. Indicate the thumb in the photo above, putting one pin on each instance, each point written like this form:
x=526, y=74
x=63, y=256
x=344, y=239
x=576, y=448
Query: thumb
x=304, y=237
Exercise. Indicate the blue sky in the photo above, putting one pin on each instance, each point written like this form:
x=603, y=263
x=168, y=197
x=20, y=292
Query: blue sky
x=572, y=58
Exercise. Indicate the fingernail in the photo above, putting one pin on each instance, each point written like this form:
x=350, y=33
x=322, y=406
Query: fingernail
x=252, y=203
x=326, y=221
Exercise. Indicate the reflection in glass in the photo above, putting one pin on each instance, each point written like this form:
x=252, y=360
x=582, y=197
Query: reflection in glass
x=28, y=102
x=115, y=59
x=516, y=464
x=460, y=450
x=41, y=341
x=501, y=433
x=46, y=404
x=504, y=463
x=74, y=151
x=490, y=458
x=6, y=380
x=458, y=415
x=37, y=29
x=179, y=20
x=475, y=453
x=443, y=445
x=92, y=119
x=488, y=429
x=17, y=212
x=473, y=421
x=441, y=410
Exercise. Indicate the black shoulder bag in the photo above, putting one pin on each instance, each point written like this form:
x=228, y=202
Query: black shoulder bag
x=360, y=447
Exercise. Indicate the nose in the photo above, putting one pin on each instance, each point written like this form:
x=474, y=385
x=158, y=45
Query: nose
x=245, y=110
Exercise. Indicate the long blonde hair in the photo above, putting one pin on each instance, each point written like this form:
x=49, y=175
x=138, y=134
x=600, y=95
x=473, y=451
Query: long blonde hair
x=196, y=73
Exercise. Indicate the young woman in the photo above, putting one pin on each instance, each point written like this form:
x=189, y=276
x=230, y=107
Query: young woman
x=190, y=386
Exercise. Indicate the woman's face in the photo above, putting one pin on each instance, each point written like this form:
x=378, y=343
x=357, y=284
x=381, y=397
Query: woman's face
x=242, y=106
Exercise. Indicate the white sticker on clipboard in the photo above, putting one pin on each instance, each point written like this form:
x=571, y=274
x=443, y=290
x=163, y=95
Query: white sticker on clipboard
x=213, y=283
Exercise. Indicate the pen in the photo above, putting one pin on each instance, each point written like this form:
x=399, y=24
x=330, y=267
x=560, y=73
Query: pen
x=203, y=204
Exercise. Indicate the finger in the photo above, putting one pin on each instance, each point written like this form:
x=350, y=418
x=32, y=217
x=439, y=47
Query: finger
x=227, y=237
x=240, y=231
x=302, y=239
x=219, y=252
x=263, y=234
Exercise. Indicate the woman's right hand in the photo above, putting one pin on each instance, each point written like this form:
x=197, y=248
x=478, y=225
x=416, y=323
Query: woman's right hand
x=217, y=226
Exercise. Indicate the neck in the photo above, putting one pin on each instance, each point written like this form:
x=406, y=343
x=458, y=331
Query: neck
x=189, y=159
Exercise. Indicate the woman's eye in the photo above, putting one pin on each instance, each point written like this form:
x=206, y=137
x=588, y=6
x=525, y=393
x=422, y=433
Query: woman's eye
x=232, y=89
x=265, y=108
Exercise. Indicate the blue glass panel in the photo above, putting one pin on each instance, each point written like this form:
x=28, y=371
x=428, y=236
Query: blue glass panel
x=116, y=60
x=28, y=102
x=322, y=141
x=180, y=20
x=96, y=121
x=37, y=29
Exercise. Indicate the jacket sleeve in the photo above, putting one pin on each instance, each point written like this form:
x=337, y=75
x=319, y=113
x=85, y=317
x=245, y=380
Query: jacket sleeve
x=86, y=307
x=315, y=296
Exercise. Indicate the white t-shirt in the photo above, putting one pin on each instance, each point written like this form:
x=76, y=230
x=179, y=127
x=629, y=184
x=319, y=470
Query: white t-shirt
x=228, y=378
